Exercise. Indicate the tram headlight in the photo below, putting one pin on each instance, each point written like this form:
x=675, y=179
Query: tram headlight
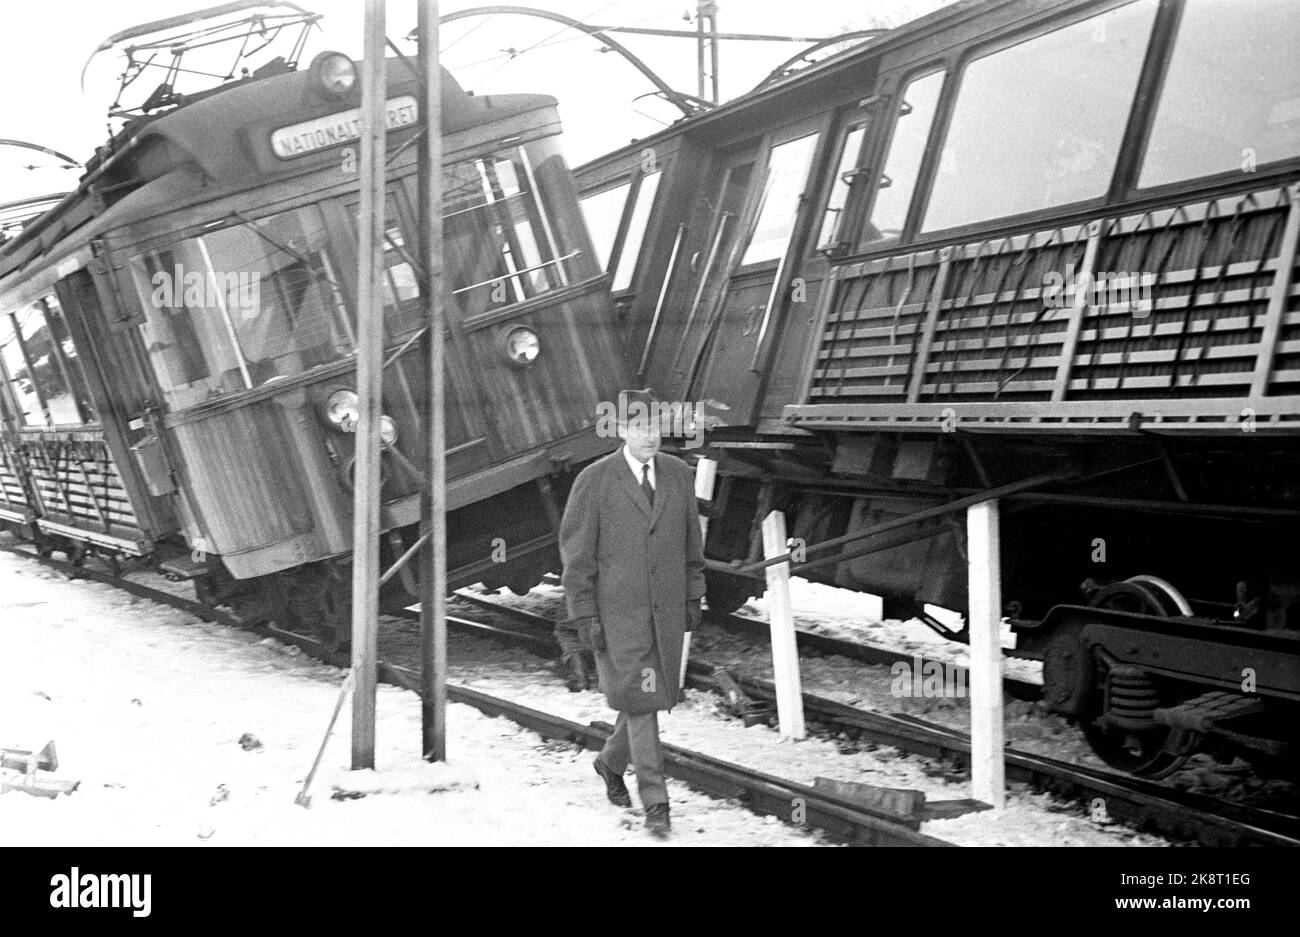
x=522, y=347
x=343, y=410
x=387, y=430
x=333, y=73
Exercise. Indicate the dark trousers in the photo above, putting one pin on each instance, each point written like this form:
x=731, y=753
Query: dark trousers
x=635, y=739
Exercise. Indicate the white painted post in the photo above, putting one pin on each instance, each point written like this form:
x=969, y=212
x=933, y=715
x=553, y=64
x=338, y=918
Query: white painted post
x=785, y=651
x=706, y=476
x=984, y=569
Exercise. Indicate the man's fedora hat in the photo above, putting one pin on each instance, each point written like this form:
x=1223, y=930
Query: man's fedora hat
x=637, y=407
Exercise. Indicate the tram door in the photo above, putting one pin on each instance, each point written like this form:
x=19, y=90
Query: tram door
x=744, y=286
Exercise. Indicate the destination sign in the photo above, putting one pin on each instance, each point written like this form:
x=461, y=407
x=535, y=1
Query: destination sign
x=321, y=132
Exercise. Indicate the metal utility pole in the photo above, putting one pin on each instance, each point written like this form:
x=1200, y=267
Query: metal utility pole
x=706, y=47
x=433, y=500
x=370, y=342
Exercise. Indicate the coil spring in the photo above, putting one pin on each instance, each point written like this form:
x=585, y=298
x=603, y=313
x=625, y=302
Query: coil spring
x=1131, y=698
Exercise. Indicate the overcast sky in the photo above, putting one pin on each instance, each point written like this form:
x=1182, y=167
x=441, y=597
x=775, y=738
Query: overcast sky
x=45, y=44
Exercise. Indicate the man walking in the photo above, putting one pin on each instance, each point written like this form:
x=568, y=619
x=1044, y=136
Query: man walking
x=633, y=579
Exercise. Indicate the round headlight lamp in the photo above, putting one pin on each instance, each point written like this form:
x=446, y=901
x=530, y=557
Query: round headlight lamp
x=333, y=73
x=387, y=430
x=343, y=410
x=522, y=346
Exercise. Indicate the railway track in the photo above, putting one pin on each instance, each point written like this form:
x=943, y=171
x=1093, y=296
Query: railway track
x=841, y=819
x=1141, y=805
x=822, y=644
x=1145, y=806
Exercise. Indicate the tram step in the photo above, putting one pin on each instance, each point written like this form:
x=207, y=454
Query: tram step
x=1207, y=712
x=183, y=567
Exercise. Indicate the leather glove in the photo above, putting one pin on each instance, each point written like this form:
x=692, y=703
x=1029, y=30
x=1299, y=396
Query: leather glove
x=579, y=678
x=693, y=614
x=591, y=634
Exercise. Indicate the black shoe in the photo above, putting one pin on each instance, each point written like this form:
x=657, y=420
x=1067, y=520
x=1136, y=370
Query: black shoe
x=615, y=789
x=656, y=820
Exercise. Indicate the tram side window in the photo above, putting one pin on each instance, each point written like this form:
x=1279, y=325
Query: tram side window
x=401, y=286
x=916, y=110
x=43, y=367
x=82, y=409
x=238, y=307
x=630, y=252
x=831, y=235
x=17, y=374
x=1039, y=124
x=787, y=173
x=1231, y=96
x=603, y=211
x=558, y=197
x=501, y=247
x=51, y=387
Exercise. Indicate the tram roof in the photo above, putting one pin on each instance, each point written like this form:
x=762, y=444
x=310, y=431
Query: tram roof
x=226, y=133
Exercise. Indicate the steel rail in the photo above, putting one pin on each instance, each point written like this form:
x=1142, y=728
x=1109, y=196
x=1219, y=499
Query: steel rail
x=1135, y=802
x=760, y=793
x=806, y=641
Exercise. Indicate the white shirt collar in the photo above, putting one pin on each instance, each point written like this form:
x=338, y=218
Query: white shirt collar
x=635, y=465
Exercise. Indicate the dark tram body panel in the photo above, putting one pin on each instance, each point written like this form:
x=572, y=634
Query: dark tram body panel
x=210, y=265
x=1049, y=245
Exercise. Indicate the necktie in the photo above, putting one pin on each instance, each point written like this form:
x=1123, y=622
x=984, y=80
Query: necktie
x=645, y=483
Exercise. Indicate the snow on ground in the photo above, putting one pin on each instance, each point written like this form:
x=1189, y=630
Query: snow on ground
x=843, y=614
x=147, y=707
x=847, y=615
x=698, y=724
x=853, y=616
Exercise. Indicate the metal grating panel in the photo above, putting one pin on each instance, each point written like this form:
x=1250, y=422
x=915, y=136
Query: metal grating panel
x=1185, y=303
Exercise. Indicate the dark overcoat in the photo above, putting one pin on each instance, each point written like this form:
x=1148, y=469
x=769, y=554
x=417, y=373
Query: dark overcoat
x=634, y=568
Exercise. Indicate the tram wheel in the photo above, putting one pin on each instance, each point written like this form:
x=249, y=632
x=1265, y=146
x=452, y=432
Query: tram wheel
x=1150, y=753
x=206, y=591
x=316, y=604
x=1147, y=595
x=1126, y=737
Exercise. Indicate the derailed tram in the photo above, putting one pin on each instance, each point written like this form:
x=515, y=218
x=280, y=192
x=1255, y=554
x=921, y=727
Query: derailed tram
x=178, y=336
x=1037, y=251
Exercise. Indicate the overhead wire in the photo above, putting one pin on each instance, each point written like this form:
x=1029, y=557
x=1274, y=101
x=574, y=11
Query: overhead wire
x=550, y=42
x=469, y=32
x=562, y=29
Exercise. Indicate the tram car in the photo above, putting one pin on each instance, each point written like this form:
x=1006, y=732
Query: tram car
x=1038, y=252
x=178, y=337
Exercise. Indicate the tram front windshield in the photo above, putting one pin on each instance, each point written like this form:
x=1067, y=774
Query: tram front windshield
x=237, y=308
